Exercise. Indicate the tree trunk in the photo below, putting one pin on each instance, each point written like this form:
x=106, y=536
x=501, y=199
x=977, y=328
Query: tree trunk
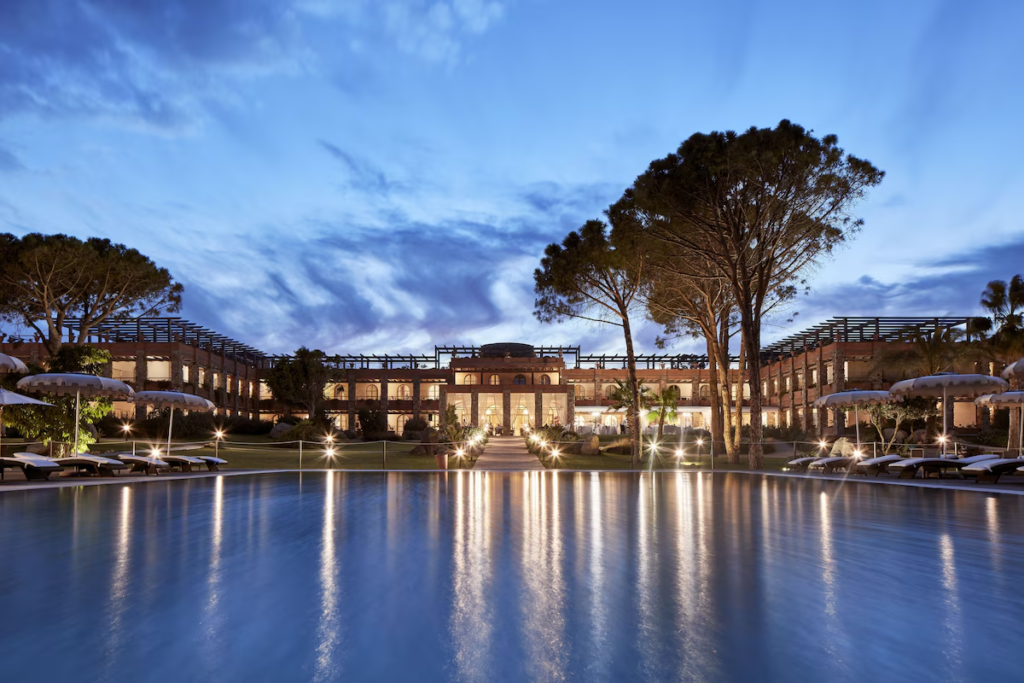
x=661, y=422
x=752, y=346
x=633, y=413
x=716, y=404
x=735, y=457
x=722, y=347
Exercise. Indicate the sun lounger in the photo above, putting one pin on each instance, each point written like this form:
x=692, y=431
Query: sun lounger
x=801, y=464
x=146, y=464
x=876, y=466
x=34, y=467
x=909, y=468
x=184, y=463
x=93, y=464
x=212, y=463
x=832, y=463
x=989, y=471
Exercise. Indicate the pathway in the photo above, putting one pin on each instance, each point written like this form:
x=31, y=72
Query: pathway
x=507, y=453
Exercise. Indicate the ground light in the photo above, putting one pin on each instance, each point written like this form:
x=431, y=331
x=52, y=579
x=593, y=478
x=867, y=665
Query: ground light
x=329, y=452
x=218, y=435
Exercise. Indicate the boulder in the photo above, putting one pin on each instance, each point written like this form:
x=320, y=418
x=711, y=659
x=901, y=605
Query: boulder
x=592, y=446
x=843, y=448
x=279, y=430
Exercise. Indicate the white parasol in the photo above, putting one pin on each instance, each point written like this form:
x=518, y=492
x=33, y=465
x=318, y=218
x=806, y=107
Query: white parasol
x=9, y=398
x=65, y=384
x=11, y=364
x=172, y=400
x=1009, y=399
x=949, y=385
x=856, y=399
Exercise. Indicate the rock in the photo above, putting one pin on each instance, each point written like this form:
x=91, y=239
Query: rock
x=843, y=447
x=279, y=430
x=592, y=446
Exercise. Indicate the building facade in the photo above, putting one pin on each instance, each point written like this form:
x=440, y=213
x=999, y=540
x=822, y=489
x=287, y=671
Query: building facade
x=515, y=386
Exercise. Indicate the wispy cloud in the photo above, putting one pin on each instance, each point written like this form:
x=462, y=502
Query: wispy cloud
x=364, y=175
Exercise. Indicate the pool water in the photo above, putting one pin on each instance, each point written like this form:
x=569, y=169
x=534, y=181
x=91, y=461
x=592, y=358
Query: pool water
x=476, y=576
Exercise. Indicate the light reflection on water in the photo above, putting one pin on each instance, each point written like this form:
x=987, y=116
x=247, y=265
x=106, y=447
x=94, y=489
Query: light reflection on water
x=473, y=576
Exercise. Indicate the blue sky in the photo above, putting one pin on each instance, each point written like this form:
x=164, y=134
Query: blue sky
x=374, y=175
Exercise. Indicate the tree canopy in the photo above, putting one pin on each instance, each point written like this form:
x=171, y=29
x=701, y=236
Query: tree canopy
x=300, y=381
x=755, y=209
x=46, y=280
x=57, y=423
x=590, y=276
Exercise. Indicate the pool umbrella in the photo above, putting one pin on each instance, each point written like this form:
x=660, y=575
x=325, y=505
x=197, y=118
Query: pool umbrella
x=67, y=383
x=1009, y=399
x=172, y=400
x=1013, y=370
x=948, y=384
x=855, y=398
x=11, y=364
x=9, y=398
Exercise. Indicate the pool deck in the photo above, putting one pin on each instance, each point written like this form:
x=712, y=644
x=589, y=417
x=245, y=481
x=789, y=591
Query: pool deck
x=510, y=460
x=507, y=454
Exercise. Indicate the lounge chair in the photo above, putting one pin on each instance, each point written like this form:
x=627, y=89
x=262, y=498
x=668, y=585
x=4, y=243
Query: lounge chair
x=801, y=464
x=184, y=463
x=93, y=464
x=909, y=468
x=876, y=466
x=212, y=462
x=146, y=464
x=34, y=467
x=834, y=462
x=989, y=471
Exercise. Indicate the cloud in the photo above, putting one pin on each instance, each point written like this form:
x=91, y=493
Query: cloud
x=365, y=176
x=397, y=285
x=9, y=163
x=947, y=286
x=157, y=63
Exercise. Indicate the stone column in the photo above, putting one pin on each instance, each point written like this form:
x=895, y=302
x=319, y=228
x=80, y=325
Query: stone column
x=351, y=402
x=570, y=407
x=416, y=398
x=506, y=410
x=177, y=373
x=474, y=406
x=839, y=384
x=538, y=408
x=822, y=412
x=141, y=375
x=384, y=397
x=442, y=405
x=807, y=421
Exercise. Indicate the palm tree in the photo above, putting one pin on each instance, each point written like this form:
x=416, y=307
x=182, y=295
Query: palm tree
x=663, y=406
x=622, y=396
x=1005, y=303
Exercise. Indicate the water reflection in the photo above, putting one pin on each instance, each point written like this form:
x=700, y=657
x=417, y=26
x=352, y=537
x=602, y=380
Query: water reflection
x=472, y=627
x=328, y=627
x=509, y=577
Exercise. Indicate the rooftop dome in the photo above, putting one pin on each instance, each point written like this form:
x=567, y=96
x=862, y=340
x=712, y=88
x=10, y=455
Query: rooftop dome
x=506, y=349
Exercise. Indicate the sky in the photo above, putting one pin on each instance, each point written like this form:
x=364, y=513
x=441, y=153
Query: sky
x=372, y=176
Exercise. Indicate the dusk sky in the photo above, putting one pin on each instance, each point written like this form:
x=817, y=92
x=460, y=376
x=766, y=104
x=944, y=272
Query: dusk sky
x=380, y=176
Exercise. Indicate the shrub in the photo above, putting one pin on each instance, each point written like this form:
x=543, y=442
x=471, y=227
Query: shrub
x=306, y=430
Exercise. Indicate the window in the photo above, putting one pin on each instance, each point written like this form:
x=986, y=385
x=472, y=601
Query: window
x=609, y=391
x=469, y=379
x=339, y=392
x=184, y=374
x=544, y=379
x=705, y=391
x=434, y=392
x=495, y=379
x=403, y=392
x=371, y=392
x=519, y=379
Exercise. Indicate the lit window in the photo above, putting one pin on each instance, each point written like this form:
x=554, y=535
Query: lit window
x=469, y=379
x=495, y=379
x=371, y=392
x=434, y=392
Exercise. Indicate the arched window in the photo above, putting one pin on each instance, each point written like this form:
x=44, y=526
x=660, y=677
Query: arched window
x=544, y=379
x=519, y=379
x=371, y=392
x=434, y=392
x=705, y=391
x=339, y=392
x=495, y=379
x=403, y=392
x=609, y=391
x=469, y=379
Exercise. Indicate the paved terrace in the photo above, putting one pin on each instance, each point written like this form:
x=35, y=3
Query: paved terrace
x=507, y=454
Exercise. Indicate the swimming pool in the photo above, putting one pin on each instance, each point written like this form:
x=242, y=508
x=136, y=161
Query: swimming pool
x=509, y=576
